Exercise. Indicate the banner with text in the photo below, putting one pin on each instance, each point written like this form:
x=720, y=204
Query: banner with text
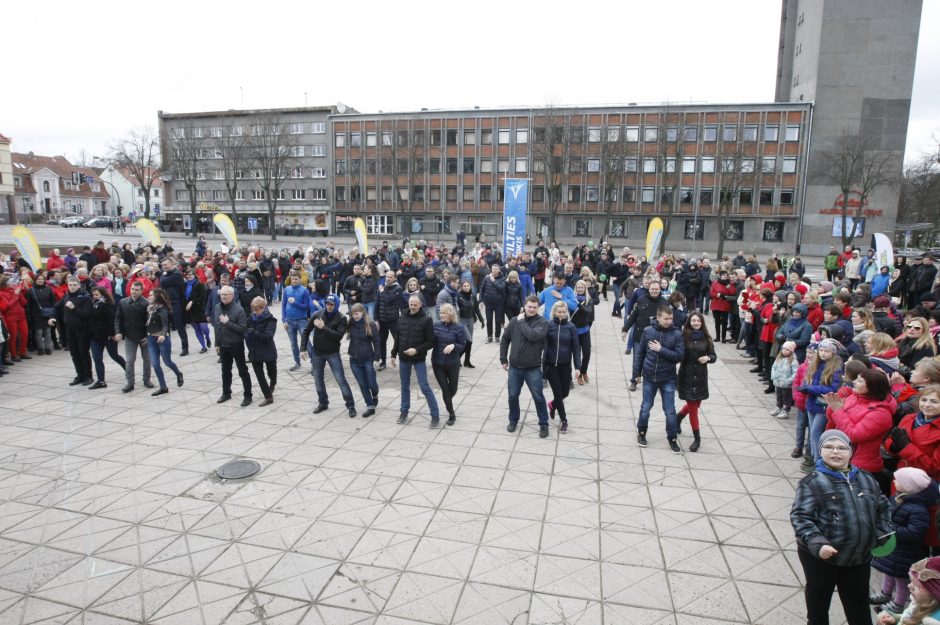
x=515, y=202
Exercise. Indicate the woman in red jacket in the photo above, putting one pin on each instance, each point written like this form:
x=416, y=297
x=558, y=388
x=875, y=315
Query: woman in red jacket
x=13, y=309
x=722, y=290
x=865, y=416
x=815, y=312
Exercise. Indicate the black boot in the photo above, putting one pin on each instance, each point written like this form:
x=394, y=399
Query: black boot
x=466, y=355
x=696, y=442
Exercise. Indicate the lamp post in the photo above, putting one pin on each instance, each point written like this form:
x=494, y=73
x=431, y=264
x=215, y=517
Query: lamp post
x=116, y=193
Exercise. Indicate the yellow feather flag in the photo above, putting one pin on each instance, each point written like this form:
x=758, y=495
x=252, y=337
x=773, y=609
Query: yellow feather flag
x=26, y=244
x=148, y=231
x=362, y=236
x=654, y=236
x=227, y=228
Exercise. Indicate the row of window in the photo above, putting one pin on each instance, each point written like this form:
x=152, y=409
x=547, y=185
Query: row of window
x=258, y=174
x=631, y=164
x=574, y=194
x=299, y=128
x=296, y=151
x=217, y=195
x=572, y=134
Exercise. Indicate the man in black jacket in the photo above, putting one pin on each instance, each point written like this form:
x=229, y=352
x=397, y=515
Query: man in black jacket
x=352, y=287
x=640, y=318
x=415, y=340
x=328, y=327
x=130, y=323
x=493, y=294
x=231, y=324
x=171, y=281
x=430, y=287
x=74, y=310
x=390, y=305
x=520, y=353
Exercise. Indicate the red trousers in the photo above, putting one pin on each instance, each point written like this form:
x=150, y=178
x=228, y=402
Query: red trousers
x=691, y=409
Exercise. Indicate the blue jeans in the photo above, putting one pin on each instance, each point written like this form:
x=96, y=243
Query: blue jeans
x=532, y=376
x=370, y=308
x=667, y=392
x=97, y=356
x=817, y=425
x=421, y=372
x=319, y=362
x=802, y=424
x=364, y=372
x=161, y=350
x=295, y=328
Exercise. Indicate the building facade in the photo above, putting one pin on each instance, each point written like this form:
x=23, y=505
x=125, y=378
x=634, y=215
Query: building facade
x=855, y=62
x=52, y=187
x=7, y=212
x=128, y=195
x=610, y=170
x=226, y=147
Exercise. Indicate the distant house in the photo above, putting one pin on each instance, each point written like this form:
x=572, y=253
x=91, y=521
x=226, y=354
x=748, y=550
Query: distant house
x=127, y=193
x=51, y=185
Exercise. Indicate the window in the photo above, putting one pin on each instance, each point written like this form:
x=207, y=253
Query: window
x=651, y=133
x=236, y=131
x=468, y=194
x=218, y=195
x=434, y=166
x=773, y=231
x=710, y=133
x=574, y=193
x=370, y=139
x=436, y=137
x=503, y=137
x=649, y=165
x=690, y=134
x=340, y=194
x=630, y=164
x=140, y=192
x=789, y=164
x=451, y=194
x=745, y=196
x=355, y=140
x=613, y=134
x=747, y=165
x=297, y=150
x=318, y=149
x=403, y=137
x=618, y=228
x=155, y=192
x=648, y=194
x=793, y=133
x=576, y=134
x=318, y=195
x=318, y=128
x=672, y=134
x=340, y=168
x=750, y=133
x=486, y=194
x=582, y=227
x=298, y=194
x=402, y=165
x=451, y=137
x=632, y=133
x=468, y=165
x=370, y=166
x=522, y=165
x=318, y=172
x=182, y=194
x=486, y=166
x=734, y=230
x=593, y=165
x=786, y=197
x=371, y=194
x=418, y=137
x=451, y=166
x=575, y=165
x=770, y=133
x=379, y=224
x=706, y=197
x=591, y=194
x=486, y=137
x=708, y=164
x=629, y=195
x=729, y=133
x=594, y=134
x=694, y=229
x=669, y=166
x=355, y=194
x=686, y=195
x=522, y=136
x=610, y=195
x=240, y=194
x=666, y=196
x=469, y=137
x=768, y=165
x=435, y=194
x=257, y=194
x=688, y=165
x=502, y=165
x=387, y=194
x=417, y=193
x=339, y=139
x=294, y=129
x=297, y=172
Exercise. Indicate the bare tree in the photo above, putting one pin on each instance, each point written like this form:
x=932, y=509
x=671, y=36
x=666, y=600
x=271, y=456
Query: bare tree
x=614, y=153
x=138, y=153
x=856, y=168
x=669, y=152
x=732, y=175
x=552, y=154
x=232, y=148
x=271, y=150
x=403, y=162
x=188, y=150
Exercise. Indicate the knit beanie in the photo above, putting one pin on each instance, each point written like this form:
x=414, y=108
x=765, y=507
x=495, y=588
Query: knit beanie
x=831, y=345
x=927, y=572
x=801, y=288
x=789, y=345
x=837, y=434
x=826, y=286
x=911, y=480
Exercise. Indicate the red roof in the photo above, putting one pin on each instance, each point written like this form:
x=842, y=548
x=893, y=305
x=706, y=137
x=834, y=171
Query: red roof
x=27, y=164
x=5, y=139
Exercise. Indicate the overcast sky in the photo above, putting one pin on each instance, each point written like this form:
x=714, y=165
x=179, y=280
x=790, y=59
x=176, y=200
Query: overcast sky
x=80, y=75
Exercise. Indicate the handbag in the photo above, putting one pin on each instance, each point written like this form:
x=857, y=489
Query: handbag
x=47, y=312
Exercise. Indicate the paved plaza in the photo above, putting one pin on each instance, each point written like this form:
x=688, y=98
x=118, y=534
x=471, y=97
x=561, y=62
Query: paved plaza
x=110, y=514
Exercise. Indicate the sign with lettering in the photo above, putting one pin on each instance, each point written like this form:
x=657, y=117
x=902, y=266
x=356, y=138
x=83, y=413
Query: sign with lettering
x=515, y=202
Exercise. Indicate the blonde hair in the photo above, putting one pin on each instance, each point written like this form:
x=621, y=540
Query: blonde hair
x=867, y=320
x=829, y=369
x=879, y=343
x=365, y=315
x=581, y=283
x=925, y=340
x=560, y=305
x=513, y=277
x=258, y=302
x=408, y=285
x=450, y=311
x=930, y=367
x=586, y=271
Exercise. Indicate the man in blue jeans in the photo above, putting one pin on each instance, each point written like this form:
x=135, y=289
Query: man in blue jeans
x=328, y=327
x=415, y=340
x=660, y=348
x=295, y=310
x=520, y=352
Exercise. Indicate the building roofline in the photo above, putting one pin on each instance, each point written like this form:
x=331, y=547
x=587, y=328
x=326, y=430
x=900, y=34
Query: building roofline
x=251, y=112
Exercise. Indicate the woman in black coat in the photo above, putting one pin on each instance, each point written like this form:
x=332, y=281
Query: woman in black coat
x=693, y=372
x=513, y=300
x=40, y=308
x=262, y=352
x=102, y=331
x=196, y=294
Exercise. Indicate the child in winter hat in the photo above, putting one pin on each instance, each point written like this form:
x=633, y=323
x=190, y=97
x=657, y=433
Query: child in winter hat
x=925, y=594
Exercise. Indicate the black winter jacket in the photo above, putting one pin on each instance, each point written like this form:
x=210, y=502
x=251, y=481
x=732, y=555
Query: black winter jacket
x=130, y=319
x=77, y=318
x=693, y=375
x=493, y=292
x=911, y=518
x=561, y=344
x=448, y=334
x=260, y=337
x=198, y=295
x=468, y=307
x=230, y=334
x=37, y=298
x=390, y=303
x=363, y=347
x=370, y=289
x=643, y=312
x=523, y=342
x=172, y=282
x=102, y=320
x=660, y=367
x=513, y=297
x=430, y=288
x=415, y=331
x=326, y=340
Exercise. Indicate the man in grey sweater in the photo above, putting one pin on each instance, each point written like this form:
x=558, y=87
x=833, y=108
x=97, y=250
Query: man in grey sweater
x=520, y=353
x=231, y=324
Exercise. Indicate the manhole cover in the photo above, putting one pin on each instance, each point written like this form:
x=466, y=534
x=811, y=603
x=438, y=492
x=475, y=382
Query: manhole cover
x=238, y=469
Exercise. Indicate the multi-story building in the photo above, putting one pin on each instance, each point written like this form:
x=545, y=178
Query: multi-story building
x=128, y=194
x=855, y=62
x=6, y=180
x=225, y=150
x=54, y=187
x=598, y=170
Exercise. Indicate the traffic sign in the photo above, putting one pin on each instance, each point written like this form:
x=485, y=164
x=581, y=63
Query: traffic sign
x=252, y=223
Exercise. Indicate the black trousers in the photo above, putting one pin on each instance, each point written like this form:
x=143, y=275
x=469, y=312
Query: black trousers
x=494, y=320
x=234, y=354
x=179, y=322
x=559, y=378
x=386, y=328
x=585, y=341
x=447, y=377
x=267, y=385
x=822, y=578
x=511, y=311
x=721, y=324
x=80, y=350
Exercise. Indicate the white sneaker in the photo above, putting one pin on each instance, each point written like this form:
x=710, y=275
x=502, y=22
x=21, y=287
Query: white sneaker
x=783, y=414
x=776, y=412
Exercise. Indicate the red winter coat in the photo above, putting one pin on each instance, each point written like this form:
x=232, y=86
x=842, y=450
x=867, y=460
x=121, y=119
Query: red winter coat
x=815, y=316
x=718, y=293
x=866, y=421
x=923, y=452
x=54, y=262
x=770, y=328
x=12, y=304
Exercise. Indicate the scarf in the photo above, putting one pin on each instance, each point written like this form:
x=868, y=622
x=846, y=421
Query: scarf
x=697, y=335
x=189, y=287
x=920, y=419
x=845, y=476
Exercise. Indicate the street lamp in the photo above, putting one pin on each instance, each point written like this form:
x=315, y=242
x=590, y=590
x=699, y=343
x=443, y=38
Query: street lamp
x=113, y=188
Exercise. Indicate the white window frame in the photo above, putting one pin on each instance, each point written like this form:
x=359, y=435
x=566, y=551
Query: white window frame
x=318, y=172
x=318, y=149
x=504, y=133
x=318, y=128
x=790, y=164
x=318, y=195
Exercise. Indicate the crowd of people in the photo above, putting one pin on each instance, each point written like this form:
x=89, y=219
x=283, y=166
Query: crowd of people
x=852, y=357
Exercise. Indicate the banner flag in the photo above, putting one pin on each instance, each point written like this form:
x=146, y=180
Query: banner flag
x=26, y=243
x=148, y=231
x=362, y=236
x=515, y=203
x=227, y=228
x=884, y=251
x=654, y=236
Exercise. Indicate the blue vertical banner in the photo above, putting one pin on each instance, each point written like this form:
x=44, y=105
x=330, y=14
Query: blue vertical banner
x=515, y=202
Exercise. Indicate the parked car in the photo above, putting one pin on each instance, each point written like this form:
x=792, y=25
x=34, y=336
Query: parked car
x=52, y=221
x=72, y=222
x=97, y=222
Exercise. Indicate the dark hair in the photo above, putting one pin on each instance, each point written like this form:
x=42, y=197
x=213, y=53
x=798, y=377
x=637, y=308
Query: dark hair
x=105, y=292
x=935, y=315
x=854, y=368
x=877, y=382
x=664, y=309
x=687, y=330
x=159, y=296
x=677, y=298
x=532, y=298
x=845, y=298
x=835, y=311
x=767, y=294
x=862, y=358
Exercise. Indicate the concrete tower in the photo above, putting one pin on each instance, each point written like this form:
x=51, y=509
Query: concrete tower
x=854, y=60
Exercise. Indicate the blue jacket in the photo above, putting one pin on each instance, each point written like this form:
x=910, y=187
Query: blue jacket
x=446, y=334
x=300, y=309
x=660, y=367
x=528, y=288
x=800, y=331
x=817, y=388
x=548, y=300
x=879, y=284
x=363, y=347
x=911, y=518
x=260, y=337
x=561, y=344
